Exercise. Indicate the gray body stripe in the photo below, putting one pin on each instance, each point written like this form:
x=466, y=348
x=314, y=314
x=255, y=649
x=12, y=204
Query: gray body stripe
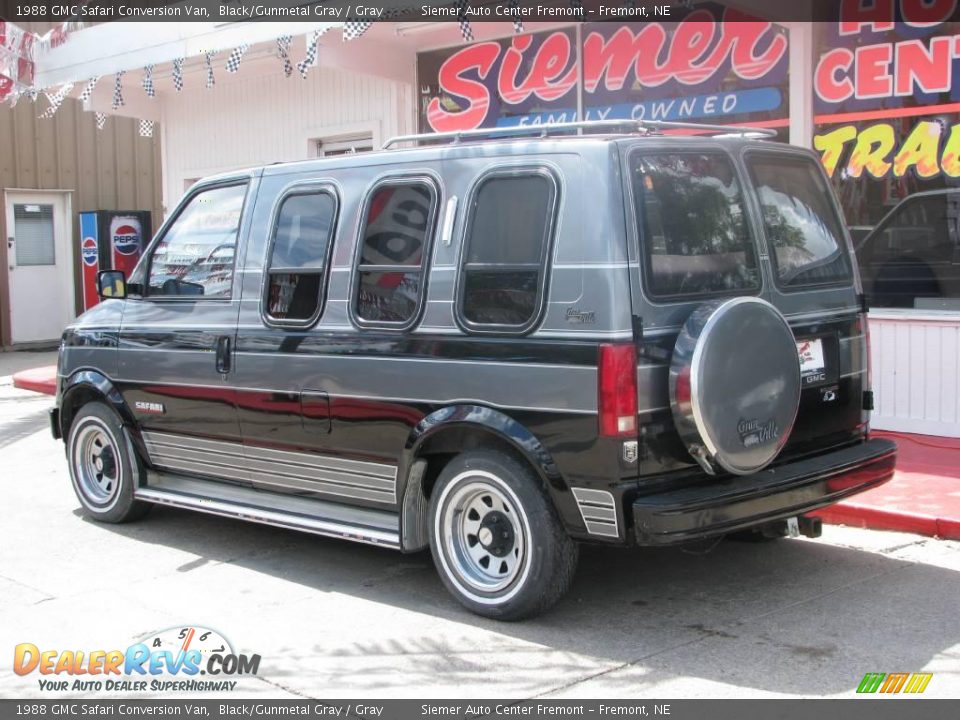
x=321, y=474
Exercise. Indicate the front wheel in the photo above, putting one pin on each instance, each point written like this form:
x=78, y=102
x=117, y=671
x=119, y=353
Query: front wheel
x=496, y=540
x=103, y=470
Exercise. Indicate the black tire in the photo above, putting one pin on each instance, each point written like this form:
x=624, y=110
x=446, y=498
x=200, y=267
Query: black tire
x=105, y=493
x=543, y=555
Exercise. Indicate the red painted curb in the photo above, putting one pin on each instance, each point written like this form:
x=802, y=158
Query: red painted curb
x=40, y=380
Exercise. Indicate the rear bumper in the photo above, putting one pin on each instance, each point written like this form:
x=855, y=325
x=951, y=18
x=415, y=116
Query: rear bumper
x=714, y=507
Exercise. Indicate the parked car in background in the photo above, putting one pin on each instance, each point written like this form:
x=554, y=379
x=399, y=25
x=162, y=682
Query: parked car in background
x=911, y=259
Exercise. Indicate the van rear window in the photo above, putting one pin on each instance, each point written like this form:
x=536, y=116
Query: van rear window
x=800, y=222
x=689, y=207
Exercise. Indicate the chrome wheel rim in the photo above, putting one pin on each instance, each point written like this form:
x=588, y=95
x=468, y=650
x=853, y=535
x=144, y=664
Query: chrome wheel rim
x=483, y=535
x=96, y=464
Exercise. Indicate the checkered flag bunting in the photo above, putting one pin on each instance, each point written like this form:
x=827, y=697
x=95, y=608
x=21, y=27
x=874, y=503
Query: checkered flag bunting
x=466, y=32
x=88, y=90
x=283, y=52
x=312, y=49
x=233, y=62
x=32, y=93
x=117, y=90
x=56, y=99
x=208, y=59
x=147, y=81
x=146, y=128
x=101, y=120
x=517, y=22
x=352, y=29
x=178, y=74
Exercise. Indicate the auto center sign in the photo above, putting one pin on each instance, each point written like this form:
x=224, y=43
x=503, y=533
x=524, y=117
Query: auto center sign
x=887, y=100
x=715, y=64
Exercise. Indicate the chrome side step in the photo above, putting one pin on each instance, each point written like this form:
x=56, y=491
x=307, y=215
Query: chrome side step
x=374, y=527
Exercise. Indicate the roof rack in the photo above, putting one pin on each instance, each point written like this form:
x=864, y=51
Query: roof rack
x=645, y=127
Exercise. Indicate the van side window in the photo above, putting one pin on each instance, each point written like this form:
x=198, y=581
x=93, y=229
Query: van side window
x=297, y=267
x=394, y=246
x=693, y=225
x=195, y=256
x=507, y=244
x=803, y=231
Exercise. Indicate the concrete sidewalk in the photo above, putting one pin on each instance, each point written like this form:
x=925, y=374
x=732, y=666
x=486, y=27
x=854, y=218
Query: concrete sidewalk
x=922, y=498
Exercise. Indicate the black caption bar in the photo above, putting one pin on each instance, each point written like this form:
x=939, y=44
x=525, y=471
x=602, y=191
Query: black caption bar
x=408, y=10
x=851, y=709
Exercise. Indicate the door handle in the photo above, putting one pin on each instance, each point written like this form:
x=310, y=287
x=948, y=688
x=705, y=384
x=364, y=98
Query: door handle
x=223, y=354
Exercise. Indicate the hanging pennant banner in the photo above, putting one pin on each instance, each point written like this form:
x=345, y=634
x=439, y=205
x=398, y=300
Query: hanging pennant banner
x=55, y=100
x=118, y=90
x=233, y=62
x=283, y=52
x=208, y=59
x=178, y=74
x=148, y=81
x=88, y=90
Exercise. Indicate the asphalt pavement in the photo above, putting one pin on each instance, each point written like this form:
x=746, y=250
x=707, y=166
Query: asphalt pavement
x=332, y=619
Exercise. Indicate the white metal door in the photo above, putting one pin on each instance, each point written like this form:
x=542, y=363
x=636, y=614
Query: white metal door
x=39, y=264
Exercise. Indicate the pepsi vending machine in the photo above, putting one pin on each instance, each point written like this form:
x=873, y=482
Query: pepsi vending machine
x=110, y=240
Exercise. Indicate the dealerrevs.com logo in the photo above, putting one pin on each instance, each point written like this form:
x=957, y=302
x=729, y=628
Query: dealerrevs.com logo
x=180, y=659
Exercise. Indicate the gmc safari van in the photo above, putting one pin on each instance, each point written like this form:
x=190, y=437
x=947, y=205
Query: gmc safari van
x=492, y=345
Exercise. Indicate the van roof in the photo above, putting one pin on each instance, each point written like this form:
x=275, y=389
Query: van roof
x=491, y=146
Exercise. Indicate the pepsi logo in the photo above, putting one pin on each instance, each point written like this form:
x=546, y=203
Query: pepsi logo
x=88, y=251
x=126, y=240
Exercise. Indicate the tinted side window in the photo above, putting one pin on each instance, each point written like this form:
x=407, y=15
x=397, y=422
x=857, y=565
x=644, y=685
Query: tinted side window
x=508, y=238
x=802, y=228
x=394, y=245
x=296, y=271
x=195, y=256
x=691, y=214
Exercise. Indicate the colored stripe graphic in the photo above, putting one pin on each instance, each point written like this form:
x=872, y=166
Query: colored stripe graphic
x=871, y=682
x=918, y=682
x=892, y=683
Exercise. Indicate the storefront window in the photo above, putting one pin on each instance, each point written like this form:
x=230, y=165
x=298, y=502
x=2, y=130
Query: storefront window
x=885, y=101
x=912, y=259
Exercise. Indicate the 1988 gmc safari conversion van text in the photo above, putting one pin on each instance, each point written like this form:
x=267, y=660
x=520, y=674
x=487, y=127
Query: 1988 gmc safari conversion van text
x=495, y=347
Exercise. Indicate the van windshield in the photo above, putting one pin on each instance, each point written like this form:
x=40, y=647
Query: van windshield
x=690, y=211
x=801, y=225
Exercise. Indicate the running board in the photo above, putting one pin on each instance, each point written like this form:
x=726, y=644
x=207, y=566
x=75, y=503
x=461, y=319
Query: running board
x=374, y=527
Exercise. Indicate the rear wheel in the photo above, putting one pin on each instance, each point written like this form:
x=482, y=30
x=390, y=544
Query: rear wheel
x=102, y=468
x=496, y=540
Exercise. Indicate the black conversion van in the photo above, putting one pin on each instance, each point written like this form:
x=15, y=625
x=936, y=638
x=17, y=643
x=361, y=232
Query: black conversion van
x=495, y=346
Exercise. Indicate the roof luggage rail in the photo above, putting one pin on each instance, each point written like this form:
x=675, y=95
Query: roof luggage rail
x=645, y=127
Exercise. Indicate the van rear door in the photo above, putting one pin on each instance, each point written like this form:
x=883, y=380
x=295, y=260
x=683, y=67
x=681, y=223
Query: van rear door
x=693, y=241
x=813, y=285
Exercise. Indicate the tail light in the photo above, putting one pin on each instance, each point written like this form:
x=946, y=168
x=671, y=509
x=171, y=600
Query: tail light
x=617, y=385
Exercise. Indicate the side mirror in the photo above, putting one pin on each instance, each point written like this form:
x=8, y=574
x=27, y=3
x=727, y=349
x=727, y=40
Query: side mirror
x=111, y=284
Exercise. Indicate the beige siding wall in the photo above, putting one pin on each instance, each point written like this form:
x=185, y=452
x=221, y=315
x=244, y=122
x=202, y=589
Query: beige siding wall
x=110, y=169
x=263, y=119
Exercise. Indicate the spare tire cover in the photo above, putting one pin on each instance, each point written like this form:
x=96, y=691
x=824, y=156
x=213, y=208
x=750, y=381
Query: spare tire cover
x=735, y=383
